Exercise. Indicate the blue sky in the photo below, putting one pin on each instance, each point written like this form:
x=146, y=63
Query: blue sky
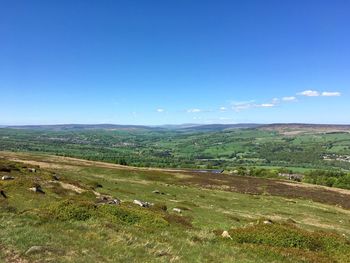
x=184, y=61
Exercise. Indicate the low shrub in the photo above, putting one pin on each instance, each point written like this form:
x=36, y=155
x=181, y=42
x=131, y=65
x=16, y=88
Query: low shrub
x=133, y=215
x=180, y=220
x=7, y=166
x=71, y=210
x=275, y=235
x=119, y=213
x=79, y=210
x=289, y=236
x=159, y=207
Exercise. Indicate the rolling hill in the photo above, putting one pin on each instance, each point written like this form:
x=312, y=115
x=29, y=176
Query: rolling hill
x=59, y=209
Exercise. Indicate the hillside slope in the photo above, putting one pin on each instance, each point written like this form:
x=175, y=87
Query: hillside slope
x=77, y=216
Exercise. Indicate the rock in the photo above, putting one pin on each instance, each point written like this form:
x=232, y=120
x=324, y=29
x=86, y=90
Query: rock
x=55, y=177
x=158, y=192
x=104, y=199
x=35, y=249
x=178, y=210
x=267, y=222
x=142, y=204
x=37, y=189
x=114, y=202
x=109, y=200
x=7, y=177
x=2, y=192
x=225, y=234
x=138, y=202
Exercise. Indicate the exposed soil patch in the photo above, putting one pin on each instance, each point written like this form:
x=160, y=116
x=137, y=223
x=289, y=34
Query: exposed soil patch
x=72, y=187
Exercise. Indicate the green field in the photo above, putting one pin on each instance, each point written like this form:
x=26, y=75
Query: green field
x=272, y=150
x=175, y=148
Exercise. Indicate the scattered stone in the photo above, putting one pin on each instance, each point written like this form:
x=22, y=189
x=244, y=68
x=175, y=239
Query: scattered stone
x=35, y=249
x=104, y=199
x=56, y=177
x=114, y=202
x=267, y=222
x=178, y=210
x=32, y=170
x=142, y=204
x=37, y=189
x=2, y=192
x=158, y=192
x=7, y=177
x=109, y=200
x=225, y=234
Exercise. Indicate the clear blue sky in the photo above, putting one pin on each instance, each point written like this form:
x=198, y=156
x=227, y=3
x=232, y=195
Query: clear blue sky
x=183, y=61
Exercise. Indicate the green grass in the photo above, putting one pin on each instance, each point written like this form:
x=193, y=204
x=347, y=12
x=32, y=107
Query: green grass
x=72, y=227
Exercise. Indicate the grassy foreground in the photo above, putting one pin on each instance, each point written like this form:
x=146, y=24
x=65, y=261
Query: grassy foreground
x=70, y=223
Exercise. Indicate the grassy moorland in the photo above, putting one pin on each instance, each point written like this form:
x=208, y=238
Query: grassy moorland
x=268, y=220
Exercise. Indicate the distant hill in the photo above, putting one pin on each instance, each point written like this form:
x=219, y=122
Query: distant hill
x=297, y=128
x=179, y=127
x=220, y=127
x=191, y=127
x=61, y=127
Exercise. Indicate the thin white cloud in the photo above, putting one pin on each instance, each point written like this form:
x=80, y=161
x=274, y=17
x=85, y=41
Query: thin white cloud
x=331, y=94
x=160, y=110
x=194, y=110
x=315, y=93
x=309, y=93
x=243, y=105
x=289, y=98
x=266, y=105
x=274, y=102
